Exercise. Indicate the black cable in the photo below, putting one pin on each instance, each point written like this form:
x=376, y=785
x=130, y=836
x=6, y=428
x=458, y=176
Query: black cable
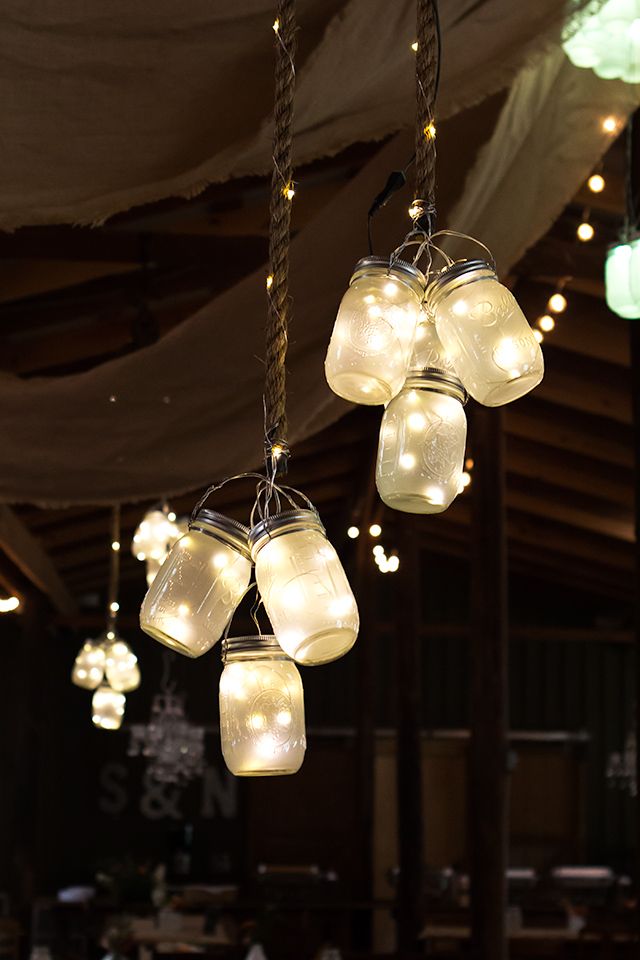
x=398, y=178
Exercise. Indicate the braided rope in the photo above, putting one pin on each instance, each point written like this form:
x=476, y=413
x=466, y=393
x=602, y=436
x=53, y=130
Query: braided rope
x=279, y=229
x=426, y=83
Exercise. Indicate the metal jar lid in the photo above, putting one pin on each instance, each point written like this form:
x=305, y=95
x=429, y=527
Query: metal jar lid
x=255, y=647
x=458, y=274
x=399, y=270
x=289, y=521
x=433, y=379
x=223, y=528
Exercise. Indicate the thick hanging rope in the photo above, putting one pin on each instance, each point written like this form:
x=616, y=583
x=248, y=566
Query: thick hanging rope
x=282, y=190
x=427, y=69
x=114, y=568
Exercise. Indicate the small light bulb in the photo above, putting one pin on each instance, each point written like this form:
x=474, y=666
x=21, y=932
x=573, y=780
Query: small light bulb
x=289, y=191
x=469, y=463
x=269, y=281
x=585, y=232
x=375, y=530
x=416, y=210
x=115, y=546
x=114, y=607
x=393, y=563
x=277, y=450
x=378, y=550
x=353, y=533
x=557, y=302
x=171, y=516
x=430, y=130
x=9, y=604
x=414, y=46
x=538, y=336
x=610, y=124
x=546, y=323
x=596, y=183
x=465, y=479
x=276, y=25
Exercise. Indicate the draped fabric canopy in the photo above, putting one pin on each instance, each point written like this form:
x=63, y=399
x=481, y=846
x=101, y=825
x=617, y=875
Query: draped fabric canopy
x=139, y=107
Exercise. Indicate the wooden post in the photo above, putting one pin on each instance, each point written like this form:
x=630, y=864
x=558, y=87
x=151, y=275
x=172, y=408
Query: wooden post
x=634, y=331
x=410, y=919
x=487, y=772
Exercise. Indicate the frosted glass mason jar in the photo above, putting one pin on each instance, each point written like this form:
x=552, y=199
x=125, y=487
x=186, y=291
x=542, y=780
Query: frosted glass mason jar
x=261, y=709
x=199, y=586
x=107, y=708
x=304, y=589
x=373, y=335
x=88, y=668
x=121, y=668
x=486, y=334
x=422, y=444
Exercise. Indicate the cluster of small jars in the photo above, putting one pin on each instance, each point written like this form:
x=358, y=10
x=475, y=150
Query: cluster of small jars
x=419, y=346
x=307, y=597
x=109, y=667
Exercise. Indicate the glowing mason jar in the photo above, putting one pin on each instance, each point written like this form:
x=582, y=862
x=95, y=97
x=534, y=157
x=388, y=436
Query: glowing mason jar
x=373, y=334
x=199, y=586
x=422, y=443
x=486, y=334
x=304, y=589
x=88, y=668
x=621, y=281
x=122, y=670
x=107, y=708
x=261, y=709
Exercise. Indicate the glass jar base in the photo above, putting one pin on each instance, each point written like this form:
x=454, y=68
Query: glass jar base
x=513, y=389
x=172, y=643
x=358, y=388
x=324, y=647
x=264, y=773
x=412, y=503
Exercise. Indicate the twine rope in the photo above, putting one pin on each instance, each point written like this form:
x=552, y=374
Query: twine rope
x=278, y=311
x=427, y=68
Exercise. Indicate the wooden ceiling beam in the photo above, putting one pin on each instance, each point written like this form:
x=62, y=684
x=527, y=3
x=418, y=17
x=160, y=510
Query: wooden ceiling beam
x=32, y=560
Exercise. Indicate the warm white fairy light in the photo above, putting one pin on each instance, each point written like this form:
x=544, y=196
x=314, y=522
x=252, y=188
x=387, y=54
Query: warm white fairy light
x=115, y=546
x=9, y=604
x=596, y=183
x=611, y=124
x=539, y=336
x=557, y=302
x=585, y=231
x=353, y=533
x=546, y=323
x=375, y=530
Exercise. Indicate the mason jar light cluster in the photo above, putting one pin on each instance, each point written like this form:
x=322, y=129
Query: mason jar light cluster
x=608, y=41
x=108, y=666
x=419, y=344
x=622, y=277
x=305, y=594
x=155, y=535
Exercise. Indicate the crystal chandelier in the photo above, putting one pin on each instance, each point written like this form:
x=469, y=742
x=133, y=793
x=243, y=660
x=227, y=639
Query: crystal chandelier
x=155, y=535
x=174, y=748
x=621, y=767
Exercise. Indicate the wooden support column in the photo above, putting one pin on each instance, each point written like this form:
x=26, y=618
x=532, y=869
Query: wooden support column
x=410, y=918
x=634, y=331
x=487, y=771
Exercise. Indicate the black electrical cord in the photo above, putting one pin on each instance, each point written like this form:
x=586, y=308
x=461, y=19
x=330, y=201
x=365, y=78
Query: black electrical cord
x=398, y=178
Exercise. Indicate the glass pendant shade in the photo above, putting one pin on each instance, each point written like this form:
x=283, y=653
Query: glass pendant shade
x=88, y=668
x=373, y=335
x=199, y=586
x=622, y=283
x=107, y=708
x=485, y=333
x=122, y=670
x=608, y=42
x=261, y=709
x=423, y=434
x=304, y=588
